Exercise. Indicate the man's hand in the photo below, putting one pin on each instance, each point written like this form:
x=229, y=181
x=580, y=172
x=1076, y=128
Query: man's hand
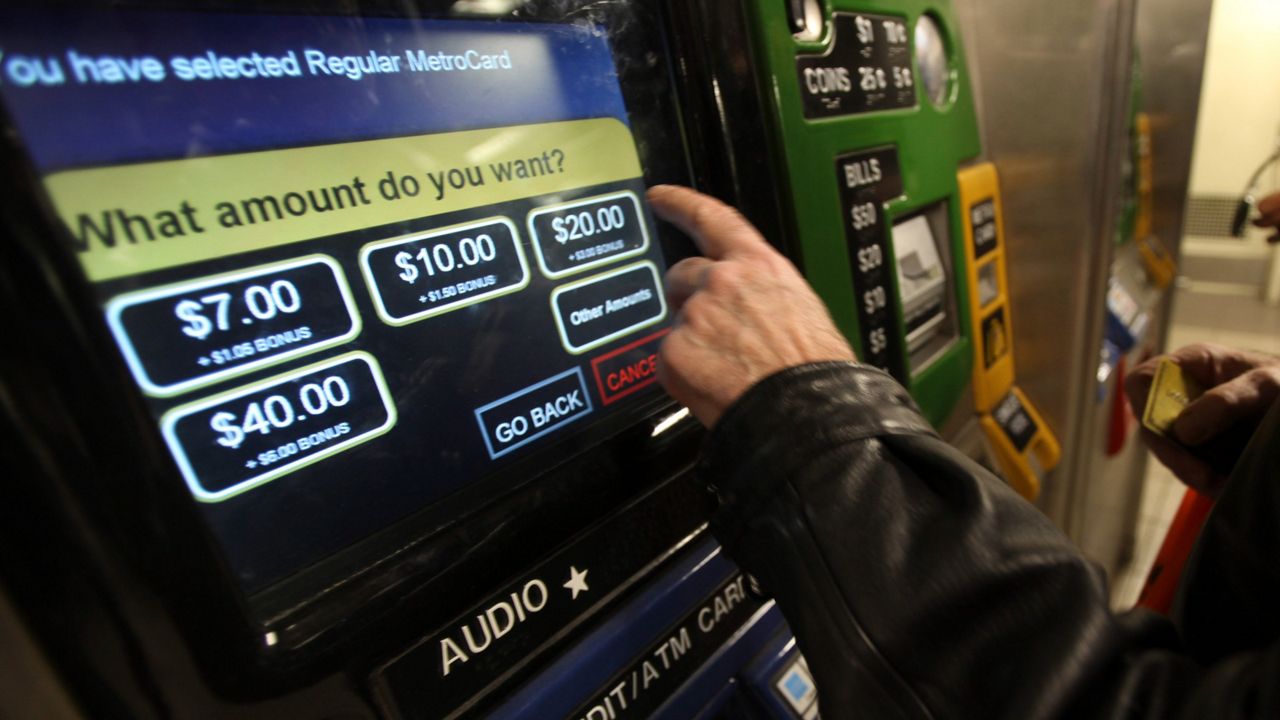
x=1241, y=387
x=1269, y=212
x=742, y=312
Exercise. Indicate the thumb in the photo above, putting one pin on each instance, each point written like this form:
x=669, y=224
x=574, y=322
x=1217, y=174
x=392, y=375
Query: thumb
x=1246, y=397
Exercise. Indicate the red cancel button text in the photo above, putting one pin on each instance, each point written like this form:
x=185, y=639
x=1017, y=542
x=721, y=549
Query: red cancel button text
x=628, y=369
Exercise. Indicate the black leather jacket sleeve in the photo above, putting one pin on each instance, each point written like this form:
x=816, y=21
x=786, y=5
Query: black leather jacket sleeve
x=920, y=586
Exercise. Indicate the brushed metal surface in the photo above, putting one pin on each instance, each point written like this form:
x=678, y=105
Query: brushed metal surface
x=1173, y=36
x=1105, y=494
x=1051, y=104
x=1053, y=81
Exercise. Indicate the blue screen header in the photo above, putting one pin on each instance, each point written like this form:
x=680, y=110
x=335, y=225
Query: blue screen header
x=89, y=89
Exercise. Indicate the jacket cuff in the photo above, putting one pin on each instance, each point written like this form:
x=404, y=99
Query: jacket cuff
x=781, y=425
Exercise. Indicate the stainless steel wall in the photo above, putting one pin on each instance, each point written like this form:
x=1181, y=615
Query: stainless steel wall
x=1171, y=39
x=1173, y=36
x=1051, y=105
x=1053, y=81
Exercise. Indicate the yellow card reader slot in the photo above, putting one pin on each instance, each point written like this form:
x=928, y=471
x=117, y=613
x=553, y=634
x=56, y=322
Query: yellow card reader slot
x=1022, y=442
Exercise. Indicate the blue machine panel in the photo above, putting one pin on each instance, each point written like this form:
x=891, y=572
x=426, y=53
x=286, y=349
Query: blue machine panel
x=696, y=643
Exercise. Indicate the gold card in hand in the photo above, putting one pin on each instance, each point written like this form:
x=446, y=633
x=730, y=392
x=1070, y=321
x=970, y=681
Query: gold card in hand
x=1171, y=392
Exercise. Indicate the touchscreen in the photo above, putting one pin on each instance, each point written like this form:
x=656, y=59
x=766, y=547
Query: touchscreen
x=353, y=264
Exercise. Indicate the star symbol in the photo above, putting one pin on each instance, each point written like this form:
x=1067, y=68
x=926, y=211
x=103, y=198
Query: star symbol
x=203, y=361
x=422, y=298
x=251, y=464
x=577, y=582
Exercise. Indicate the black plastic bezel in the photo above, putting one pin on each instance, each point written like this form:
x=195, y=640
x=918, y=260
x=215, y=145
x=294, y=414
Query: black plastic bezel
x=93, y=451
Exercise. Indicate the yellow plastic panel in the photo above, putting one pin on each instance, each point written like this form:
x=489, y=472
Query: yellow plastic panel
x=992, y=320
x=1022, y=468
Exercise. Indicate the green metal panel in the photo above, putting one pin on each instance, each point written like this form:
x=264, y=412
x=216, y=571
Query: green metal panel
x=932, y=143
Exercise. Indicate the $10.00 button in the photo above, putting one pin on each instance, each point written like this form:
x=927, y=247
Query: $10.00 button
x=239, y=440
x=428, y=274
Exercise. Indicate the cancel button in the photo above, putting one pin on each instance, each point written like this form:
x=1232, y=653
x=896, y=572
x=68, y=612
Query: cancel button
x=595, y=311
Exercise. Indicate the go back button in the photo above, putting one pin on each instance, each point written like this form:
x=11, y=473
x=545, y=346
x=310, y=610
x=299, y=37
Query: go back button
x=600, y=309
x=526, y=415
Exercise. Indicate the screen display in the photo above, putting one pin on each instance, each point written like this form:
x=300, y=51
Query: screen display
x=353, y=264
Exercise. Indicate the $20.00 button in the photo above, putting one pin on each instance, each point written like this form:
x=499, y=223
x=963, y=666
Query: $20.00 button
x=588, y=233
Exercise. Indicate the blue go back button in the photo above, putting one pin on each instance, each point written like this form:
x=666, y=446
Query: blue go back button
x=526, y=415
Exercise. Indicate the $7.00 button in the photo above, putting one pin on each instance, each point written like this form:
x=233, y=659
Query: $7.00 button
x=419, y=276
x=236, y=441
x=194, y=333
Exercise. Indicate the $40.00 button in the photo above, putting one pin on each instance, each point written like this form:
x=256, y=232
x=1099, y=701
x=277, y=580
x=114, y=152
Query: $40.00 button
x=239, y=440
x=427, y=274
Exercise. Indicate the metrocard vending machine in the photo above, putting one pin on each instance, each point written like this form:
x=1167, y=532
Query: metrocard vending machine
x=877, y=136
x=332, y=335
